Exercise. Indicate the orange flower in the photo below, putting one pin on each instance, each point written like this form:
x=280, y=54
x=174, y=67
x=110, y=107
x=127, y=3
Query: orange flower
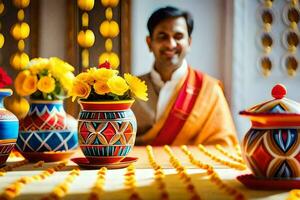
x=101, y=88
x=80, y=89
x=46, y=84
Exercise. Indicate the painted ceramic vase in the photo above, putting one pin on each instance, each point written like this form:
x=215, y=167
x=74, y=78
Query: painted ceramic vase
x=271, y=148
x=107, y=130
x=44, y=133
x=9, y=127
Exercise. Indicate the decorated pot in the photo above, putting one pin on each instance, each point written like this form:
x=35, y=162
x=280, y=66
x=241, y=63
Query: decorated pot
x=9, y=127
x=44, y=133
x=271, y=148
x=107, y=130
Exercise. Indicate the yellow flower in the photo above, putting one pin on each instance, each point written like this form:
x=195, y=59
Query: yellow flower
x=46, y=84
x=104, y=74
x=19, y=82
x=101, y=88
x=66, y=80
x=80, y=89
x=137, y=87
x=38, y=64
x=57, y=67
x=30, y=84
x=86, y=77
x=117, y=85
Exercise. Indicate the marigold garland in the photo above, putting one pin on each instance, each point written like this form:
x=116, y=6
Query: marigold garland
x=182, y=173
x=213, y=175
x=130, y=182
x=62, y=188
x=14, y=189
x=3, y=170
x=234, y=165
x=97, y=189
x=294, y=195
x=229, y=155
x=159, y=174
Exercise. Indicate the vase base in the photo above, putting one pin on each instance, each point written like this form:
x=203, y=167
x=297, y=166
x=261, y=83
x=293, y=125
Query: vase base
x=85, y=163
x=48, y=156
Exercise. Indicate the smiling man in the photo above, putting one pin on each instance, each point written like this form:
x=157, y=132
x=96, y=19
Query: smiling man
x=185, y=106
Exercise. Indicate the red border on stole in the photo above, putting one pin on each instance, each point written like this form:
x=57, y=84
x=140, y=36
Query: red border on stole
x=181, y=109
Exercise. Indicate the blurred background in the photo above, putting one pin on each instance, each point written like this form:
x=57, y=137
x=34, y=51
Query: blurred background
x=248, y=45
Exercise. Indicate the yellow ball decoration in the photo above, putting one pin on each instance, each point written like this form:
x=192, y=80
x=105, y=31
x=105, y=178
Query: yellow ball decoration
x=21, y=3
x=108, y=13
x=85, y=19
x=103, y=57
x=109, y=29
x=86, y=5
x=108, y=45
x=104, y=28
x=21, y=45
x=112, y=58
x=20, y=31
x=1, y=40
x=114, y=29
x=2, y=7
x=18, y=105
x=86, y=38
x=19, y=60
x=21, y=15
x=111, y=3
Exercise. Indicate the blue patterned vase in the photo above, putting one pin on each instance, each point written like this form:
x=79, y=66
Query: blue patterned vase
x=9, y=127
x=45, y=134
x=107, y=130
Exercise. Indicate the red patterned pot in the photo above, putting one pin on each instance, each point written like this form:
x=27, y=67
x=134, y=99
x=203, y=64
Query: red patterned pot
x=107, y=130
x=271, y=147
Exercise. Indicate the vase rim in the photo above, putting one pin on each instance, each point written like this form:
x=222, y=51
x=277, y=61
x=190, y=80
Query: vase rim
x=6, y=91
x=46, y=101
x=106, y=102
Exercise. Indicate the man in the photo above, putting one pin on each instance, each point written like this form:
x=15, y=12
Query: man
x=185, y=106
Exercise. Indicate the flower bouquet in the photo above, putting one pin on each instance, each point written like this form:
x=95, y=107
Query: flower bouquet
x=104, y=84
x=44, y=133
x=107, y=126
x=9, y=123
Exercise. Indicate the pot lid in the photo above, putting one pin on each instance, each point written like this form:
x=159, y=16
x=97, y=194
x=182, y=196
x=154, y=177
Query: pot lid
x=278, y=105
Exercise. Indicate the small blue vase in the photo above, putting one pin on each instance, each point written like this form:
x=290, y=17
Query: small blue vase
x=9, y=128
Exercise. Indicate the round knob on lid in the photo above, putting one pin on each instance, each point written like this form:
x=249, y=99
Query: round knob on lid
x=279, y=91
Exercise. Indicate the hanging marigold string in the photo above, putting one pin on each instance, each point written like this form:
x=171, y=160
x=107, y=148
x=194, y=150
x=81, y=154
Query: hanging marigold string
x=109, y=29
x=19, y=60
x=2, y=39
x=85, y=37
x=20, y=31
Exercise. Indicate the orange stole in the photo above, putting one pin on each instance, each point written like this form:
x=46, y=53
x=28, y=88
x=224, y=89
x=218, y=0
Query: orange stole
x=181, y=109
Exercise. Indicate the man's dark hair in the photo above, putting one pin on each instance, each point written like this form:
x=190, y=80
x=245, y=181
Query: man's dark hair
x=166, y=13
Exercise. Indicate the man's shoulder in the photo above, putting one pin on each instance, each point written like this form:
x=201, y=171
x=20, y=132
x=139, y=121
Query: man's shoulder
x=208, y=78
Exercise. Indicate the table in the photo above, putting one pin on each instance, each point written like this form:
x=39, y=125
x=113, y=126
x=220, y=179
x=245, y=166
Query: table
x=144, y=186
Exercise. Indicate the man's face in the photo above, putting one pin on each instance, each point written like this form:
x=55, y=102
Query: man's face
x=170, y=42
